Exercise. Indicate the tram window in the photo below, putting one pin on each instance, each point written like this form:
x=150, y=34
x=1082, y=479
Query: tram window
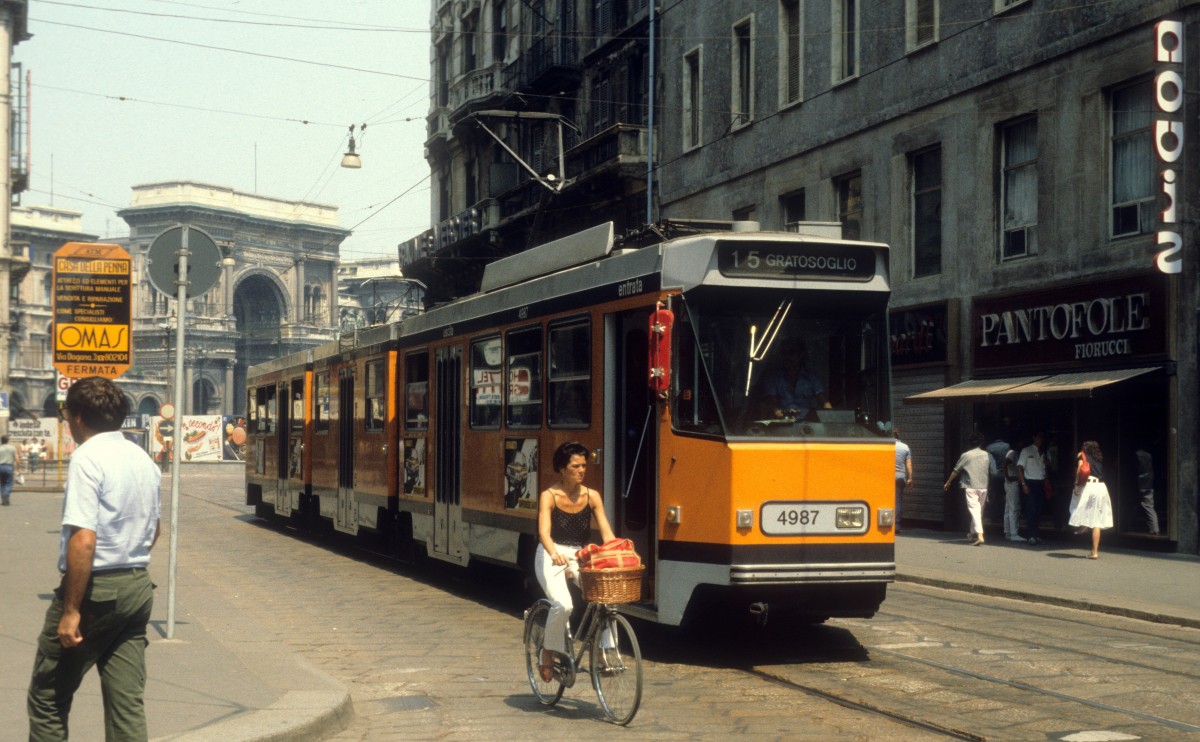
x=376, y=396
x=321, y=403
x=524, y=379
x=486, y=383
x=265, y=404
x=297, y=404
x=570, y=375
x=416, y=391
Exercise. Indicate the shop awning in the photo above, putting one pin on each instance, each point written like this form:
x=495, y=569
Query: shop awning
x=975, y=389
x=1080, y=384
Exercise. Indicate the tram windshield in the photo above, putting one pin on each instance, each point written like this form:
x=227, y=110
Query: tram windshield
x=781, y=364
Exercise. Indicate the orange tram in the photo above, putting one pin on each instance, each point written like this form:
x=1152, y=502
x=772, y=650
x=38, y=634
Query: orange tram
x=668, y=360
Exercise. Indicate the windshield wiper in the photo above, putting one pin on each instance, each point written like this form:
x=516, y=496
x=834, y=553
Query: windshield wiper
x=760, y=347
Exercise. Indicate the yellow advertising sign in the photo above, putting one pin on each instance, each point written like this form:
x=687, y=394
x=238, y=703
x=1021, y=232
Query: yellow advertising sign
x=92, y=310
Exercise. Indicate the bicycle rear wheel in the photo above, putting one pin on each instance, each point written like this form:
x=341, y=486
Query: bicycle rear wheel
x=617, y=670
x=547, y=693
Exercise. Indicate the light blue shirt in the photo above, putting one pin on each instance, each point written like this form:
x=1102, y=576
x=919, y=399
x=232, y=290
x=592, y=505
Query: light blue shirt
x=113, y=490
x=800, y=395
x=903, y=454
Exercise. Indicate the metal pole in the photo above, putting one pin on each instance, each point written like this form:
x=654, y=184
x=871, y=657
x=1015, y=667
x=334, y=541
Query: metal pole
x=181, y=284
x=650, y=124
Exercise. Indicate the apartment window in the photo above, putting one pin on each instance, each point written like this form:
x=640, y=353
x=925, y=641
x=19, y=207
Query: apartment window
x=742, y=72
x=499, y=30
x=416, y=391
x=442, y=65
x=921, y=23
x=927, y=211
x=602, y=103
x=487, y=379
x=792, y=209
x=524, y=399
x=570, y=375
x=1132, y=160
x=845, y=39
x=1018, y=189
x=692, y=81
x=469, y=40
x=602, y=20
x=1003, y=5
x=376, y=396
x=791, y=52
x=849, y=200
x=635, y=89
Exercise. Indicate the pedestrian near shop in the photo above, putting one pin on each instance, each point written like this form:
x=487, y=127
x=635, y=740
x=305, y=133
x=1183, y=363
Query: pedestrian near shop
x=997, y=450
x=1031, y=471
x=8, y=469
x=973, y=467
x=1145, y=483
x=1094, y=510
x=904, y=473
x=1012, y=498
x=101, y=607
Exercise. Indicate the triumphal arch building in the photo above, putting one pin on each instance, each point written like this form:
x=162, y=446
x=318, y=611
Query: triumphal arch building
x=277, y=291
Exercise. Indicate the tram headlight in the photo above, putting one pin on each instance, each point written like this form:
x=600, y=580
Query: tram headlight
x=851, y=517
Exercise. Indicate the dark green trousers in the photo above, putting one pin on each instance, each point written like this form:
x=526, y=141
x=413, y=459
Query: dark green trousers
x=114, y=614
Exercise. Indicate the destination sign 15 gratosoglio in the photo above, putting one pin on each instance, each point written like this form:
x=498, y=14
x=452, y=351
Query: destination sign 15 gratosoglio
x=820, y=261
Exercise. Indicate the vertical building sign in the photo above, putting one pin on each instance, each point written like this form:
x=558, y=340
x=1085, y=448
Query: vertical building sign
x=1168, y=138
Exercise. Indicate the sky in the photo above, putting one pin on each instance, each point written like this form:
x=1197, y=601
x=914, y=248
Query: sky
x=129, y=92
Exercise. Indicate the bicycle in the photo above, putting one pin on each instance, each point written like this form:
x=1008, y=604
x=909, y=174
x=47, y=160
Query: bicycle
x=616, y=671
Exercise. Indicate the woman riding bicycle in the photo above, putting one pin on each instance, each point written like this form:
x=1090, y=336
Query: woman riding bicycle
x=565, y=513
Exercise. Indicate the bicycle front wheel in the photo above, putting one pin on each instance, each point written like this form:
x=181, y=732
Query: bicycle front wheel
x=617, y=669
x=547, y=692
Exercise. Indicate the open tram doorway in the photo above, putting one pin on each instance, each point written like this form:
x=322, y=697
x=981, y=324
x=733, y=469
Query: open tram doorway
x=449, y=542
x=631, y=422
x=259, y=310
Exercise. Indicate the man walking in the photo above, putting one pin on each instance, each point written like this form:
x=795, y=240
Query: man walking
x=973, y=465
x=1031, y=470
x=904, y=473
x=101, y=607
x=8, y=469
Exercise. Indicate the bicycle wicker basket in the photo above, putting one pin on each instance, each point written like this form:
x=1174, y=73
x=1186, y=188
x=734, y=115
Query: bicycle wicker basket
x=616, y=585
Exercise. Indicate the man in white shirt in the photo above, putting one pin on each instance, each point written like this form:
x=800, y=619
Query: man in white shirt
x=100, y=610
x=1031, y=471
x=973, y=465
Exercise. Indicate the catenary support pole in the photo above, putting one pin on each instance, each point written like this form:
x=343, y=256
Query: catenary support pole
x=181, y=286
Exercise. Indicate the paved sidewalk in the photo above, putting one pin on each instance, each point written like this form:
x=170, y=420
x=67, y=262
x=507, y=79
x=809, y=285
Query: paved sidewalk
x=1154, y=587
x=222, y=678
x=218, y=679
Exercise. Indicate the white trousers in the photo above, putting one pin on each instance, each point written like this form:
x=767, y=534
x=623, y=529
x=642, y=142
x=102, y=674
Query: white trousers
x=1012, y=509
x=975, y=501
x=553, y=580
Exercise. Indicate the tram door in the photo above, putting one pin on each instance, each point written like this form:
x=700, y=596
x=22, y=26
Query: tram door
x=283, y=500
x=636, y=435
x=346, y=518
x=447, y=502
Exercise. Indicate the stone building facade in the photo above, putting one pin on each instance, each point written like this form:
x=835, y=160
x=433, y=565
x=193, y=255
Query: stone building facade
x=537, y=127
x=1028, y=162
x=276, y=293
x=37, y=232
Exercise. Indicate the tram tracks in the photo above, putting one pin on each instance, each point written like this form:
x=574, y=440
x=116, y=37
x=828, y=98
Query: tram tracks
x=963, y=670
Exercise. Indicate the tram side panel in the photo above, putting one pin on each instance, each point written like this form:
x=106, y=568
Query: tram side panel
x=262, y=459
x=323, y=451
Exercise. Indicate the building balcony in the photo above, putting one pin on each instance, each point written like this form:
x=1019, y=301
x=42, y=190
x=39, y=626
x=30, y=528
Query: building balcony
x=618, y=147
x=548, y=63
x=438, y=126
x=475, y=90
x=445, y=235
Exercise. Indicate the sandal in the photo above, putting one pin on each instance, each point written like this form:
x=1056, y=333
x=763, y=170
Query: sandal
x=546, y=672
x=1093, y=556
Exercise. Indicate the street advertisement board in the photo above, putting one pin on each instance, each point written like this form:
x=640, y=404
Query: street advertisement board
x=92, y=310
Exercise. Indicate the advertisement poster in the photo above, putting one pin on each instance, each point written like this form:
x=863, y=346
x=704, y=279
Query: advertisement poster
x=23, y=431
x=202, y=437
x=414, y=467
x=520, y=473
x=235, y=438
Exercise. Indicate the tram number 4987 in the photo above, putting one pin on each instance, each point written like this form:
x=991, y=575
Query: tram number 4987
x=793, y=517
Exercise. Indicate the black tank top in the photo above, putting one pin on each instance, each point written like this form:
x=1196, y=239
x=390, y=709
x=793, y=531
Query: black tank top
x=571, y=529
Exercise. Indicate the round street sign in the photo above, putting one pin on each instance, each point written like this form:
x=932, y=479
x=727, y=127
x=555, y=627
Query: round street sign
x=204, y=262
